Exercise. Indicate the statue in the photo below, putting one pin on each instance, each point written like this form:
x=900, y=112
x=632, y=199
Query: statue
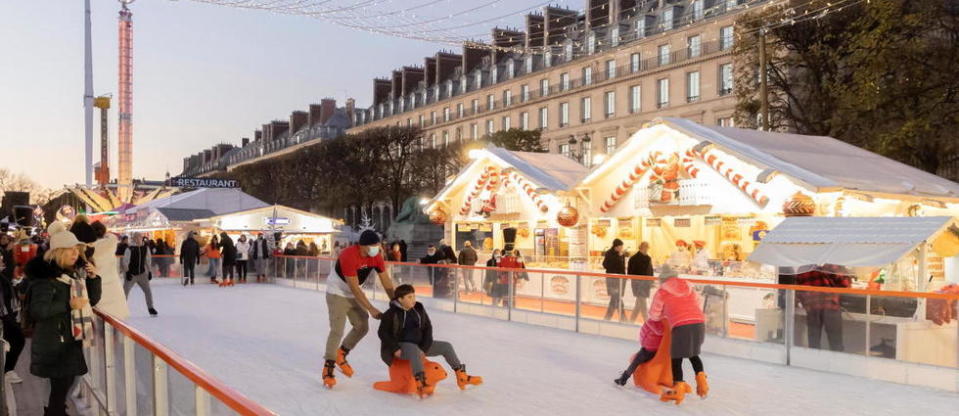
x=411, y=213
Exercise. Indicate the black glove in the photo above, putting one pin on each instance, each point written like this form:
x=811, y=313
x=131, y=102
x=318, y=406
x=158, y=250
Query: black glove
x=149, y=275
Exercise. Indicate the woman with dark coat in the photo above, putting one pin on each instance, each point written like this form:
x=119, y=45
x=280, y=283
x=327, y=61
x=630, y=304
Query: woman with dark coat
x=640, y=265
x=615, y=263
x=56, y=353
x=491, y=275
x=228, y=250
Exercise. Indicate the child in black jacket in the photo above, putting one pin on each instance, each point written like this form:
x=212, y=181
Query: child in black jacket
x=407, y=333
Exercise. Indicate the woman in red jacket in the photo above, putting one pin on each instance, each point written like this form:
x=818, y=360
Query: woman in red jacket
x=676, y=302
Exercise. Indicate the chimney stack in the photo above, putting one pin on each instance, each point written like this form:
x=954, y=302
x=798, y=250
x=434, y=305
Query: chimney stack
x=351, y=110
x=298, y=119
x=328, y=106
x=257, y=135
x=245, y=141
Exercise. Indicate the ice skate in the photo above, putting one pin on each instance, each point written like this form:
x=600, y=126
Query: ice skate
x=702, y=386
x=329, y=380
x=153, y=312
x=463, y=379
x=423, y=389
x=676, y=393
x=341, y=362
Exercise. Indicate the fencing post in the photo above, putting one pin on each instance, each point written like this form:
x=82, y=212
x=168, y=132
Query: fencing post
x=790, y=323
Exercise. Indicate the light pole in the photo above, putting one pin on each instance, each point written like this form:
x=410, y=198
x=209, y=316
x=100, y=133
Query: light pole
x=87, y=95
x=585, y=151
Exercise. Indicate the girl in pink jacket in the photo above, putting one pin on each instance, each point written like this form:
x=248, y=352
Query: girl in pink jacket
x=676, y=302
x=650, y=336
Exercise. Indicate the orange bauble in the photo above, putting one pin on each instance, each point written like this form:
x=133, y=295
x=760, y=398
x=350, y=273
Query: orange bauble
x=800, y=205
x=568, y=216
x=438, y=217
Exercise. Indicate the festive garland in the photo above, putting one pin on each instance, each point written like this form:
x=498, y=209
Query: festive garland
x=714, y=160
x=530, y=191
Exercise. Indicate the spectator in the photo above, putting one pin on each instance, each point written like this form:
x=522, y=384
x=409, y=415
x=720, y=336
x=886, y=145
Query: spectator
x=122, y=247
x=439, y=276
x=395, y=254
x=403, y=250
x=242, y=257
x=640, y=264
x=615, y=263
x=822, y=309
x=189, y=257
x=11, y=328
x=58, y=317
x=290, y=250
x=468, y=258
x=260, y=254
x=492, y=276
x=506, y=280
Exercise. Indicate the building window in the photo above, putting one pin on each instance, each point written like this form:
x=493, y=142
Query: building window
x=693, y=46
x=510, y=69
x=490, y=102
x=564, y=81
x=524, y=93
x=564, y=150
x=489, y=127
x=563, y=114
x=529, y=63
x=634, y=62
x=591, y=43
x=432, y=118
x=610, y=69
x=725, y=122
x=478, y=79
x=494, y=75
x=475, y=106
x=692, y=86
x=506, y=123
x=725, y=79
x=641, y=27
x=610, y=103
x=667, y=18
x=697, y=10
x=459, y=110
x=524, y=120
x=568, y=51
x=543, y=118
x=409, y=122
x=422, y=123
x=725, y=38
x=730, y=4
x=463, y=84
x=433, y=140
x=446, y=114
x=587, y=75
x=507, y=98
x=664, y=54
x=543, y=87
x=610, y=145
x=449, y=89
x=662, y=99
x=586, y=104
x=634, y=99
x=474, y=131
x=446, y=138
x=614, y=35
x=459, y=134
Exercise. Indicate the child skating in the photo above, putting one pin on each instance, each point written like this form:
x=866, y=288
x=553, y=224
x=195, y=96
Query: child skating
x=650, y=336
x=407, y=333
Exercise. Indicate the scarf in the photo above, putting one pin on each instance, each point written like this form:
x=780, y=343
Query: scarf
x=81, y=320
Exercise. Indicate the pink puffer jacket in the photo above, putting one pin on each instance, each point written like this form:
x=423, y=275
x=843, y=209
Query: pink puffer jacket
x=650, y=335
x=677, y=302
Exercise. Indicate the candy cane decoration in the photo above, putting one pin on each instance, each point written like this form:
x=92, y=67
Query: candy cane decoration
x=714, y=160
x=688, y=165
x=634, y=175
x=477, y=188
x=530, y=191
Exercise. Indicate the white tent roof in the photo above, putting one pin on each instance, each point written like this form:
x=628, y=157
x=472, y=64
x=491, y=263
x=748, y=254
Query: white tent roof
x=846, y=241
x=218, y=201
x=549, y=170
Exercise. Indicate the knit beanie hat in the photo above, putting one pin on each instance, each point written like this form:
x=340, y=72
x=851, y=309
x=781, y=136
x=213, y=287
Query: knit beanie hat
x=83, y=231
x=60, y=237
x=369, y=238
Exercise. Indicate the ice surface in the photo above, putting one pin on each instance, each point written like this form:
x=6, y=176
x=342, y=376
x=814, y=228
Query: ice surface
x=267, y=341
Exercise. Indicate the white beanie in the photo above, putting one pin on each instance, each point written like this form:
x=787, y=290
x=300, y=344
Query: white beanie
x=60, y=237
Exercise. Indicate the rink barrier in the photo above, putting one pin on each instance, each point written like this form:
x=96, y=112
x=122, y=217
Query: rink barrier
x=729, y=332
x=117, y=385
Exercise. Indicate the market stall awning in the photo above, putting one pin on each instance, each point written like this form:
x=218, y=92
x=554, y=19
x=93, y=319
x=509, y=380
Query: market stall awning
x=847, y=241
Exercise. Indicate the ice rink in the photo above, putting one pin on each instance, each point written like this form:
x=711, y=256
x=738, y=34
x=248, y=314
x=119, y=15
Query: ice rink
x=267, y=342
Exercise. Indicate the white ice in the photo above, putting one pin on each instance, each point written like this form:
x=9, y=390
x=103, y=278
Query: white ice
x=266, y=341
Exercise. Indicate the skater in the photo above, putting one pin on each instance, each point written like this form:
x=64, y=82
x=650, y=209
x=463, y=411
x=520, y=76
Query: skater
x=678, y=304
x=650, y=336
x=136, y=265
x=58, y=309
x=640, y=264
x=228, y=251
x=113, y=300
x=407, y=333
x=260, y=253
x=614, y=263
x=346, y=300
x=189, y=257
x=242, y=258
x=214, y=256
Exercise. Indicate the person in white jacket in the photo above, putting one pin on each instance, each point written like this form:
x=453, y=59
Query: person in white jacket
x=242, y=257
x=112, y=301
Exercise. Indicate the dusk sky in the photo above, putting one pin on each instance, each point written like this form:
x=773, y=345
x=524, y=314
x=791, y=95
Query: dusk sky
x=202, y=74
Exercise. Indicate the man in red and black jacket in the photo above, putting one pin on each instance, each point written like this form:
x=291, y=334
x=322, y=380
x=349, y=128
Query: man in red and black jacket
x=823, y=309
x=346, y=300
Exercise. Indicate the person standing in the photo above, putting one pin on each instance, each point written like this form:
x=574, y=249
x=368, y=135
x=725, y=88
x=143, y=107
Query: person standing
x=59, y=317
x=260, y=254
x=113, y=299
x=823, y=311
x=403, y=250
x=189, y=257
x=435, y=273
x=396, y=254
x=242, y=257
x=640, y=264
x=12, y=332
x=614, y=263
x=122, y=247
x=136, y=265
x=491, y=276
x=345, y=300
x=214, y=256
x=228, y=250
x=469, y=258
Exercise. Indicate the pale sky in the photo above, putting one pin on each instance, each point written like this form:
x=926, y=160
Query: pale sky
x=202, y=74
